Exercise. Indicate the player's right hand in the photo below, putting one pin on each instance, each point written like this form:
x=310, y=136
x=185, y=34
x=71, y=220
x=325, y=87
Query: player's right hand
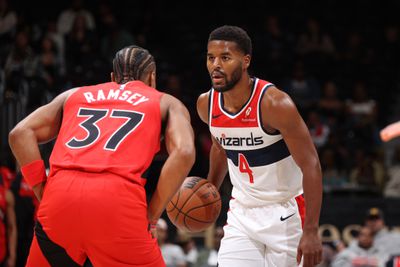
x=310, y=249
x=38, y=190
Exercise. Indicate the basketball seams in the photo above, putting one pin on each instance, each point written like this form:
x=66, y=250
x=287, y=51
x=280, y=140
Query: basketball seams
x=203, y=182
x=171, y=201
x=199, y=185
x=194, y=219
x=194, y=222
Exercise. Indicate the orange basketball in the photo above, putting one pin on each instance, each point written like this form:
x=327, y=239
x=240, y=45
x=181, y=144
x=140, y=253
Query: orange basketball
x=195, y=206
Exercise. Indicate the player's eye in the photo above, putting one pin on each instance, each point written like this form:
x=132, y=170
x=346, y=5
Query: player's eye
x=211, y=58
x=225, y=58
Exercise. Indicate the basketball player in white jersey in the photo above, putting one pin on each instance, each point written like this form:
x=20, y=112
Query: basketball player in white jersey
x=259, y=136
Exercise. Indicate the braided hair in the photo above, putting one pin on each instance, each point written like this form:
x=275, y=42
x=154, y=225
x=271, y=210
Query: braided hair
x=132, y=63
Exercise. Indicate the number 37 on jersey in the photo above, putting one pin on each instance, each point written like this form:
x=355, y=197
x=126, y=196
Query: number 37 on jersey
x=93, y=132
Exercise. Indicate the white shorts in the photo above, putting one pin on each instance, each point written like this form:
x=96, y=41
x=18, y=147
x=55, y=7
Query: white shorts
x=266, y=236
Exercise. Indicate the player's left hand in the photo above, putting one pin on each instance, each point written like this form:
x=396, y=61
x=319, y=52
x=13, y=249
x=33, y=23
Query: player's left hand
x=153, y=229
x=10, y=262
x=310, y=248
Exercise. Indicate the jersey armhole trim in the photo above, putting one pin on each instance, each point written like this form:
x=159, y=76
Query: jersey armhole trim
x=260, y=123
x=210, y=105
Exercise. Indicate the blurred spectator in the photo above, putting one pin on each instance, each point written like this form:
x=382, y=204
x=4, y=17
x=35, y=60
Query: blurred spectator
x=172, y=253
x=26, y=205
x=208, y=257
x=392, y=188
x=59, y=41
x=115, y=36
x=319, y=130
x=330, y=105
x=302, y=88
x=316, y=47
x=389, y=49
x=389, y=242
x=21, y=60
x=314, y=40
x=50, y=66
x=393, y=261
x=5, y=172
x=357, y=56
x=362, y=115
x=189, y=248
x=276, y=52
x=23, y=73
x=68, y=16
x=8, y=26
x=8, y=227
x=80, y=52
x=329, y=252
x=332, y=174
x=367, y=172
x=362, y=253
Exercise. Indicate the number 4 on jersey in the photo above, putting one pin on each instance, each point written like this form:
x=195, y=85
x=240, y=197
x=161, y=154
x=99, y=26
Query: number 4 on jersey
x=245, y=168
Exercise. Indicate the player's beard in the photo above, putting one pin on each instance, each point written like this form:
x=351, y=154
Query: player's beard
x=229, y=84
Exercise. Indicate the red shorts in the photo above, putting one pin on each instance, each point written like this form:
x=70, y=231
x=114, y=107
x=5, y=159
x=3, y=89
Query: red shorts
x=99, y=216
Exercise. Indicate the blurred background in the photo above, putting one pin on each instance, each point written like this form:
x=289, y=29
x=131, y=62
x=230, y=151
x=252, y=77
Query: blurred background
x=338, y=60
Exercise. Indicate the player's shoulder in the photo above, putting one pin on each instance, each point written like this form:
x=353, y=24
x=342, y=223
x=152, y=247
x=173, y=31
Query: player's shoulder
x=170, y=103
x=203, y=97
x=203, y=101
x=169, y=99
x=203, y=105
x=275, y=97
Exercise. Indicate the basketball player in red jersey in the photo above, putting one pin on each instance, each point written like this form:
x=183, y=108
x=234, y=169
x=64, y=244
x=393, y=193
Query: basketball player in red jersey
x=93, y=202
x=259, y=136
x=8, y=226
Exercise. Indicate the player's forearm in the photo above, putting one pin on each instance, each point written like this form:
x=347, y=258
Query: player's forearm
x=12, y=231
x=218, y=167
x=173, y=173
x=312, y=186
x=12, y=242
x=391, y=131
x=24, y=145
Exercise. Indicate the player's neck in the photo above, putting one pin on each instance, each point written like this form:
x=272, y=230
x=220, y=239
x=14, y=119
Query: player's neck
x=235, y=98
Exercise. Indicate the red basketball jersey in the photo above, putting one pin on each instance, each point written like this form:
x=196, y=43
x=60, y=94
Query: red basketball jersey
x=3, y=211
x=109, y=128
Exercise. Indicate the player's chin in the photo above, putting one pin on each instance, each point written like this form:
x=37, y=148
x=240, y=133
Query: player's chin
x=219, y=87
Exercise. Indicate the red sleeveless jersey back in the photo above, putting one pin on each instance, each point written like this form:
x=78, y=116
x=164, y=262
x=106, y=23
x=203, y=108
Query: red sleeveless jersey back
x=109, y=128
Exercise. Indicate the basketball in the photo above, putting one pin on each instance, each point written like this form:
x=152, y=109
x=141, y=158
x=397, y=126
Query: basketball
x=195, y=206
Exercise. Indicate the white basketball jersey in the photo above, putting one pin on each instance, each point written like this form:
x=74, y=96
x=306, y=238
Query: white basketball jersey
x=261, y=169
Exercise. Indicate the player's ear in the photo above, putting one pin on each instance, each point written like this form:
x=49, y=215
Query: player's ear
x=112, y=76
x=153, y=79
x=246, y=61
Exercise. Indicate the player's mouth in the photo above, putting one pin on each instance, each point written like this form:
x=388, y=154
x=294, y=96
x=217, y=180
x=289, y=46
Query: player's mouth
x=217, y=77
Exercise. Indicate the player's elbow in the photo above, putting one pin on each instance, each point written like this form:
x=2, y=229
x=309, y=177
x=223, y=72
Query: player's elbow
x=19, y=134
x=187, y=154
x=16, y=134
x=311, y=165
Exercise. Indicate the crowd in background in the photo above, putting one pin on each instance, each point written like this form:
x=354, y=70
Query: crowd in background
x=340, y=63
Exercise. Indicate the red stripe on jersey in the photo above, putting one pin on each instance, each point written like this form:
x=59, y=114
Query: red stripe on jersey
x=246, y=117
x=302, y=208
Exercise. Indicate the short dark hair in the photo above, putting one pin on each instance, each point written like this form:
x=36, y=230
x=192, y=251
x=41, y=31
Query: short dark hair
x=131, y=63
x=374, y=213
x=233, y=34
